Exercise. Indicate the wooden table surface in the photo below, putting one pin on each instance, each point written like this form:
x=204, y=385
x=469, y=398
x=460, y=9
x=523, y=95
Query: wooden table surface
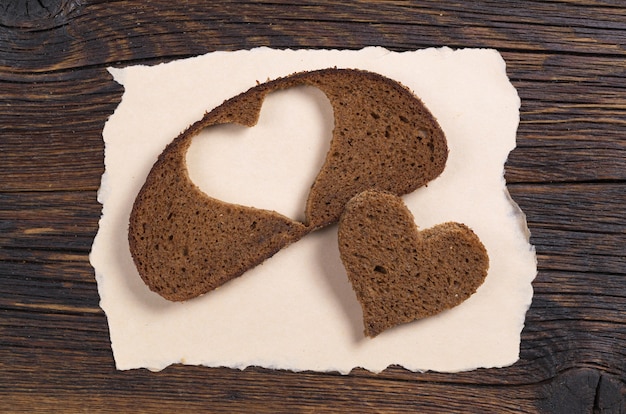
x=568, y=173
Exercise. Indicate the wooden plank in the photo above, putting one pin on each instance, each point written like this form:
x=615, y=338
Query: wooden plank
x=63, y=149
x=51, y=129
x=576, y=227
x=253, y=390
x=101, y=33
x=60, y=220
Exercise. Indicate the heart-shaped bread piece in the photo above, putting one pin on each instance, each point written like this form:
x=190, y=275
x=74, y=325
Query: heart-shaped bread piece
x=185, y=243
x=399, y=273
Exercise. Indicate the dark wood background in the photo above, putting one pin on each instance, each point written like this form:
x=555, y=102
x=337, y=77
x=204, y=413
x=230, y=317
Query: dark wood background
x=567, y=60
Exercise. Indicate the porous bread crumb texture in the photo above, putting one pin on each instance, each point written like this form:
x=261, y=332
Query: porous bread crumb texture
x=401, y=274
x=185, y=243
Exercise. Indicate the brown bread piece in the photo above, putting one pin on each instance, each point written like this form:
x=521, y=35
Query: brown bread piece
x=400, y=274
x=185, y=243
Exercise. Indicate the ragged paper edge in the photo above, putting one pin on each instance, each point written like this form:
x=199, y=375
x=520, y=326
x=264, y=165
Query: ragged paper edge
x=103, y=194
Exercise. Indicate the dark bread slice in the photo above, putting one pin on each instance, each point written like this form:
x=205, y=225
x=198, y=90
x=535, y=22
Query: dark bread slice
x=185, y=243
x=400, y=274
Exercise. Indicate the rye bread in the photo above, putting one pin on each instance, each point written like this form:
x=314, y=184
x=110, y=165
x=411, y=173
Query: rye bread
x=185, y=243
x=401, y=274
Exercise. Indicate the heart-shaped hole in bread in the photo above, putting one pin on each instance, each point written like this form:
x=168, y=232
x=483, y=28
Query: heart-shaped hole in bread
x=272, y=165
x=399, y=273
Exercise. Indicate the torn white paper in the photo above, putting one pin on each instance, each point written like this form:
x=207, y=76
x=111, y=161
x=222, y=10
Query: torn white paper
x=297, y=310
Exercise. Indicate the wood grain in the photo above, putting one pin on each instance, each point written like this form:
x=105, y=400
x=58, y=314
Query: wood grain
x=568, y=173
